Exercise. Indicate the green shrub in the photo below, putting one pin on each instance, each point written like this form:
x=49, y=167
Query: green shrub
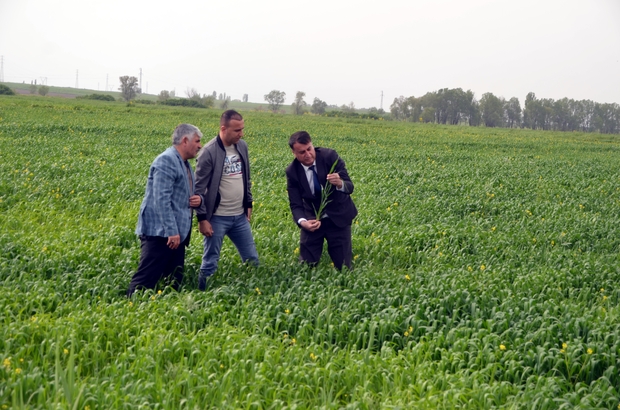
x=102, y=97
x=43, y=90
x=184, y=102
x=5, y=90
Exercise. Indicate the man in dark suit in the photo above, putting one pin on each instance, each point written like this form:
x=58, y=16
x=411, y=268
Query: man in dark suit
x=308, y=181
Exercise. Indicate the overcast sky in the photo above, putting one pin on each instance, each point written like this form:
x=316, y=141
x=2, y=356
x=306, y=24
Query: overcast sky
x=340, y=51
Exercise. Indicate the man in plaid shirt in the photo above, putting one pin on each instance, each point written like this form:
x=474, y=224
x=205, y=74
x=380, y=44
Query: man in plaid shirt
x=165, y=218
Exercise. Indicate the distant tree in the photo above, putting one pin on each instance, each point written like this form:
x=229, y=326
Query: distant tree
x=492, y=110
x=512, y=108
x=318, y=106
x=607, y=118
x=245, y=98
x=129, y=87
x=562, y=114
x=529, y=113
x=192, y=93
x=348, y=108
x=43, y=90
x=214, y=94
x=400, y=109
x=224, y=103
x=220, y=97
x=427, y=115
x=474, y=113
x=33, y=88
x=163, y=95
x=588, y=115
x=208, y=101
x=275, y=98
x=299, y=103
x=173, y=94
x=5, y=90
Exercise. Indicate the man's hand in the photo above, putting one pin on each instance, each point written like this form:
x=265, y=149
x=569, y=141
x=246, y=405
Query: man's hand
x=335, y=180
x=311, y=225
x=194, y=201
x=174, y=241
x=249, y=214
x=205, y=228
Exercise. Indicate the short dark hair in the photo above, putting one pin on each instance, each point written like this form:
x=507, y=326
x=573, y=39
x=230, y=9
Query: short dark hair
x=229, y=115
x=301, y=137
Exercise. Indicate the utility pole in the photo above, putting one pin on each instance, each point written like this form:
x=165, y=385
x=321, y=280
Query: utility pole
x=106, y=82
x=381, y=107
x=76, y=78
x=1, y=69
x=140, y=80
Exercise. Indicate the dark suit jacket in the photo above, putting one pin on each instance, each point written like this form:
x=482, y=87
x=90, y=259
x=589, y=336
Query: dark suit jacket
x=341, y=210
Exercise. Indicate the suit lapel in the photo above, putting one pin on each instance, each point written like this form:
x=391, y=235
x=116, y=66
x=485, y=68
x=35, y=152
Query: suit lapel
x=303, y=180
x=184, y=169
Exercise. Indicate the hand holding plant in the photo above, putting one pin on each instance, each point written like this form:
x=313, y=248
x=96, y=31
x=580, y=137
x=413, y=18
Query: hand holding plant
x=325, y=193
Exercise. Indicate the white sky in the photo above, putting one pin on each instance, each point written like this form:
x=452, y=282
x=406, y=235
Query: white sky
x=340, y=51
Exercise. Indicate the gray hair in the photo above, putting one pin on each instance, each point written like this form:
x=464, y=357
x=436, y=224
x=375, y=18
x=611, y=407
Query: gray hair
x=185, y=130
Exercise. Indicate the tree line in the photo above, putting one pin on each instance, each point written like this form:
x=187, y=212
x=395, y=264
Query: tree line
x=455, y=106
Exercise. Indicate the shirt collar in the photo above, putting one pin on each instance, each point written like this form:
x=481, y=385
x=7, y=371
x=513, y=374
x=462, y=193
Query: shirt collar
x=306, y=168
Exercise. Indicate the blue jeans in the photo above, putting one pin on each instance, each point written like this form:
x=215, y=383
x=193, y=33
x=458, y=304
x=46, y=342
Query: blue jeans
x=238, y=230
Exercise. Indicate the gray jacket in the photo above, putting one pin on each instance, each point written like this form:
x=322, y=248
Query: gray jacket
x=165, y=208
x=209, y=167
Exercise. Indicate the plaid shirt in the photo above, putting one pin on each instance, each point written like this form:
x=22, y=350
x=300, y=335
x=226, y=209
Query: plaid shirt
x=165, y=209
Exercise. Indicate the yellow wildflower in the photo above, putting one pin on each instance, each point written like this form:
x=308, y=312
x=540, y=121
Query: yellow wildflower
x=407, y=277
x=502, y=347
x=590, y=351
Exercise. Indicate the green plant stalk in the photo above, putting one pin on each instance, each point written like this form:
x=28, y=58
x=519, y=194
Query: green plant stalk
x=325, y=193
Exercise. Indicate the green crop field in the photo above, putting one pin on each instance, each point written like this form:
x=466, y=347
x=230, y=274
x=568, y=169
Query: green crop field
x=486, y=275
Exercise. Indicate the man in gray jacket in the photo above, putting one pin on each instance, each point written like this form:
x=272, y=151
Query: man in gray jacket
x=165, y=218
x=223, y=181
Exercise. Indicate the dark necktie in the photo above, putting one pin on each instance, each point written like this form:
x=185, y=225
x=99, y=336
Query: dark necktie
x=315, y=179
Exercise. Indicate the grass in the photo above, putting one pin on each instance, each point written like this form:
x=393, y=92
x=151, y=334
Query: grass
x=486, y=270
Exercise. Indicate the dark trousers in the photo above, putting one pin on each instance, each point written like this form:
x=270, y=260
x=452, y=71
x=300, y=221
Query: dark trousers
x=338, y=244
x=157, y=261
